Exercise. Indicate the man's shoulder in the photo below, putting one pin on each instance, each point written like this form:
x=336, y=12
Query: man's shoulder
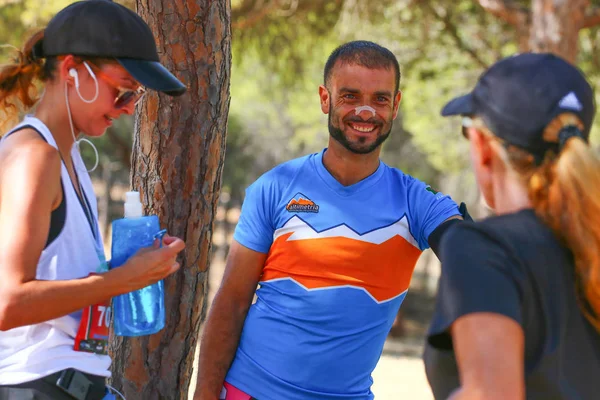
x=399, y=175
x=291, y=167
x=408, y=183
x=396, y=175
x=283, y=173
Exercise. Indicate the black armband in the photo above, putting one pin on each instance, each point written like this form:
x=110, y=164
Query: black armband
x=436, y=236
x=462, y=209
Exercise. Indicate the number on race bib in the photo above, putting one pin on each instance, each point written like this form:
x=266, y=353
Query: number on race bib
x=102, y=310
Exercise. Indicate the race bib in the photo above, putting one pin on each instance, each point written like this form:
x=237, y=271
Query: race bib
x=92, y=336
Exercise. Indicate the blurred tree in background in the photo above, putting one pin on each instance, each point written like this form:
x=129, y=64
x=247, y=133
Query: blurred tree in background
x=280, y=46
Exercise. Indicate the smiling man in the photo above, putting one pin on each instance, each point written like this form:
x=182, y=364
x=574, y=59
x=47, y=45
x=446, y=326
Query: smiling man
x=331, y=239
x=361, y=97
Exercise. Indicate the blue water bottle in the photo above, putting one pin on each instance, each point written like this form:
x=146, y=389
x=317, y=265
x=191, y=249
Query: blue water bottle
x=141, y=312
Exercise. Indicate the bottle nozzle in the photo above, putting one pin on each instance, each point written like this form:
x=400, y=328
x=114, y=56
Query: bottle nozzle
x=133, y=205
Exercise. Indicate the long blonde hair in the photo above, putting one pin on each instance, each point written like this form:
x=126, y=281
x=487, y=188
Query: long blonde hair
x=564, y=190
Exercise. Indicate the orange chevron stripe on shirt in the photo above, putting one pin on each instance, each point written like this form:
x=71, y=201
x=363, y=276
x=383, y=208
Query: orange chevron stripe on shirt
x=384, y=270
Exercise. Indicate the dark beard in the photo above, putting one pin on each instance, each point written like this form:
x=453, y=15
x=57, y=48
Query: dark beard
x=338, y=135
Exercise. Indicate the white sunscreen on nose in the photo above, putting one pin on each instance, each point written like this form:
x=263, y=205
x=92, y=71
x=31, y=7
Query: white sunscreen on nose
x=360, y=109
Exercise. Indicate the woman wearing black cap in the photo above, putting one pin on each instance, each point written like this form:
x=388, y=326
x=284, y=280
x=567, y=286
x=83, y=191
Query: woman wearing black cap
x=94, y=59
x=518, y=308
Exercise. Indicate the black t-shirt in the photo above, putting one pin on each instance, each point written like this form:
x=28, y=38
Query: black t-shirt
x=515, y=266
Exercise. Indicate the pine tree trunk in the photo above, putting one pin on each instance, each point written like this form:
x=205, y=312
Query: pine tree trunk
x=549, y=26
x=555, y=26
x=177, y=163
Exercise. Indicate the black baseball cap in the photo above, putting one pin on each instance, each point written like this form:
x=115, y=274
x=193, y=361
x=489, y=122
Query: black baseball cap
x=102, y=28
x=519, y=96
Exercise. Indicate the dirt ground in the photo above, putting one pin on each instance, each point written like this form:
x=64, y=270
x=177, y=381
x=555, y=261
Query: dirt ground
x=400, y=373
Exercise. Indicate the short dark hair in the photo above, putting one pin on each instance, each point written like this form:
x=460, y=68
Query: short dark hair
x=364, y=53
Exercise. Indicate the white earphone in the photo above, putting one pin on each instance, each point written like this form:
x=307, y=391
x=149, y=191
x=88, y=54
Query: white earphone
x=73, y=73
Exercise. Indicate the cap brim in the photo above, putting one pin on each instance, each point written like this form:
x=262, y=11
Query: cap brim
x=462, y=105
x=152, y=75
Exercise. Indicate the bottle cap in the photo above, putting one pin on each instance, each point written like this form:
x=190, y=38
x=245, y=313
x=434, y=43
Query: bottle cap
x=133, y=205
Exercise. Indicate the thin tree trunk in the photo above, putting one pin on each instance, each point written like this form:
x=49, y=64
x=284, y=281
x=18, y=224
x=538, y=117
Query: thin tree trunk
x=177, y=163
x=227, y=228
x=550, y=26
x=555, y=26
x=105, y=202
x=523, y=33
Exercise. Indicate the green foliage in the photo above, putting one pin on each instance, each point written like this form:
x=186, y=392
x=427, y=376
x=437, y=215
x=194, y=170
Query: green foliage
x=589, y=62
x=449, y=50
x=11, y=28
x=241, y=153
x=37, y=13
x=278, y=58
x=275, y=90
x=283, y=39
x=443, y=46
x=283, y=119
x=21, y=17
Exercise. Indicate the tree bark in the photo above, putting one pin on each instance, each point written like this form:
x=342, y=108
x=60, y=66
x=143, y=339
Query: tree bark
x=506, y=10
x=550, y=26
x=555, y=26
x=592, y=18
x=177, y=163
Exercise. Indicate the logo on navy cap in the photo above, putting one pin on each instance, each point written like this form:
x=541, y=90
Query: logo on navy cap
x=570, y=102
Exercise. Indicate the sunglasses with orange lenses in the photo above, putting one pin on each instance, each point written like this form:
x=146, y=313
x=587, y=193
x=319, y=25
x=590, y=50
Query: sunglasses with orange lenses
x=125, y=96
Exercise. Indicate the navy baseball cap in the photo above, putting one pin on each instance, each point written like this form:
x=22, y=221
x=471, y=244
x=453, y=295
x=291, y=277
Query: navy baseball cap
x=101, y=28
x=519, y=96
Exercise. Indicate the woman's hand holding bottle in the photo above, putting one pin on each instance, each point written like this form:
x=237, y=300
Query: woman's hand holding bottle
x=149, y=265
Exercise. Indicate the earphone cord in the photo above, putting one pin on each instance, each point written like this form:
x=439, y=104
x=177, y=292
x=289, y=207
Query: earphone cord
x=73, y=73
x=84, y=202
x=71, y=118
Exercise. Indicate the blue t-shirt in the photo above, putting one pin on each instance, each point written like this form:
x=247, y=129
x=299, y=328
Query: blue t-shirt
x=340, y=260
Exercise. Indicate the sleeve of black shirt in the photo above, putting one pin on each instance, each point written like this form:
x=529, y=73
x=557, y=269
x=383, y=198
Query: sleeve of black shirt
x=479, y=274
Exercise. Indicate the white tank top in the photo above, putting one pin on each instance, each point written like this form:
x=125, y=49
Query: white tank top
x=31, y=352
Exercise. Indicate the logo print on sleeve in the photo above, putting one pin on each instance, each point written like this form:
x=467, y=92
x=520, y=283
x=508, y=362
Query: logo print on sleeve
x=430, y=189
x=437, y=194
x=301, y=203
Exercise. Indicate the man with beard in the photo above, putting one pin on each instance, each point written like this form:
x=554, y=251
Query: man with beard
x=332, y=239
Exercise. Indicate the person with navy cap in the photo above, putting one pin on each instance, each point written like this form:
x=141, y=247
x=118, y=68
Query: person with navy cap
x=94, y=61
x=518, y=307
